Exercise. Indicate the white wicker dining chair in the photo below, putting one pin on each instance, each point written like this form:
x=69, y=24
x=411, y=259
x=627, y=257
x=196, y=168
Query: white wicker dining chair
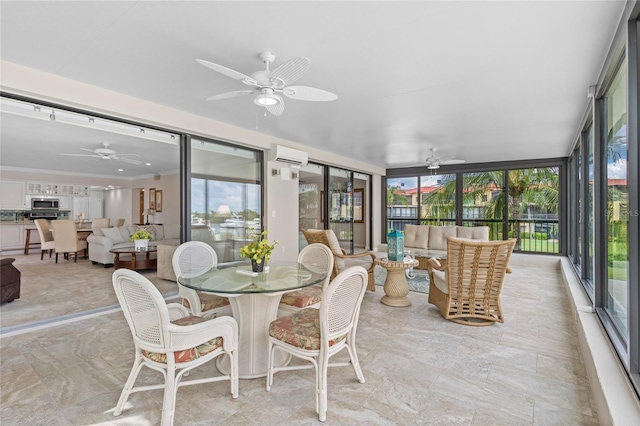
x=317, y=258
x=192, y=259
x=47, y=242
x=316, y=335
x=167, y=339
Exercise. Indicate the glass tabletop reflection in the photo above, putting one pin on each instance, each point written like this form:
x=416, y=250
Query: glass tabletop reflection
x=279, y=276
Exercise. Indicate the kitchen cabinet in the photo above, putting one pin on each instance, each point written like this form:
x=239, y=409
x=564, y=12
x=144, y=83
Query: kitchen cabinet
x=40, y=188
x=81, y=191
x=35, y=188
x=12, y=195
x=51, y=188
x=65, y=203
x=11, y=237
x=67, y=190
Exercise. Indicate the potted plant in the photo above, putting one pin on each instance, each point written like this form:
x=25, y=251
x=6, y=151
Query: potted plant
x=258, y=251
x=141, y=239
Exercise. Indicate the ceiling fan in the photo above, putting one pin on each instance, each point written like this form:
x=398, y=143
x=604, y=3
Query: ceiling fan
x=434, y=163
x=107, y=154
x=267, y=85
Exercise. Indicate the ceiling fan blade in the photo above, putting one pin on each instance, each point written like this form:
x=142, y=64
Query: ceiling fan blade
x=128, y=160
x=135, y=155
x=289, y=71
x=82, y=155
x=452, y=161
x=88, y=150
x=228, y=72
x=231, y=95
x=278, y=108
x=304, y=93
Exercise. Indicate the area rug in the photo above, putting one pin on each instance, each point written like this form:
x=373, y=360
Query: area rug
x=420, y=283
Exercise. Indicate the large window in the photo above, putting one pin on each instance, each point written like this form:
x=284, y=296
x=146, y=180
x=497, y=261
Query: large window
x=615, y=139
x=226, y=200
x=483, y=201
x=438, y=199
x=402, y=202
x=608, y=200
x=528, y=197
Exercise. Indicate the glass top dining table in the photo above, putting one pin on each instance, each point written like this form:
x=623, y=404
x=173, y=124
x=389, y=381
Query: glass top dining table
x=238, y=279
x=254, y=298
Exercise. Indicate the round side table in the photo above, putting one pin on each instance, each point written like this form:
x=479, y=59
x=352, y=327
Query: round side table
x=395, y=286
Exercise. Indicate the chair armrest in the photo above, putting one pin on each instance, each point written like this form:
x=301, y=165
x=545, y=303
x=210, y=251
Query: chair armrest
x=358, y=256
x=437, y=264
x=177, y=311
x=188, y=336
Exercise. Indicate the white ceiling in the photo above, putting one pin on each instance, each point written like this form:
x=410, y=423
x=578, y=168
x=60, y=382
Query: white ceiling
x=480, y=81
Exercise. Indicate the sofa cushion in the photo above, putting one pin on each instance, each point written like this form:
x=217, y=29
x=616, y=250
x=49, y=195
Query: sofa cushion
x=438, y=236
x=478, y=233
x=416, y=236
x=172, y=231
x=114, y=235
x=158, y=232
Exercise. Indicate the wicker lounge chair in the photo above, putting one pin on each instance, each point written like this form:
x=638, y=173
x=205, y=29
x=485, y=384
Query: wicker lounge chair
x=466, y=287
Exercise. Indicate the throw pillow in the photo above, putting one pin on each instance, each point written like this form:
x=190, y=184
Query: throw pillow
x=114, y=235
x=149, y=228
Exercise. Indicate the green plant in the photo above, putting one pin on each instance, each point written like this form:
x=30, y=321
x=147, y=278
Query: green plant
x=141, y=234
x=259, y=249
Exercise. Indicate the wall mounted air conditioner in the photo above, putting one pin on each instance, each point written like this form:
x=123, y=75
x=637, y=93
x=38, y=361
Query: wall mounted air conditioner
x=284, y=154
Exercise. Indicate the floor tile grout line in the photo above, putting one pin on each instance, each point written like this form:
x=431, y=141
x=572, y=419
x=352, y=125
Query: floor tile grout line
x=65, y=319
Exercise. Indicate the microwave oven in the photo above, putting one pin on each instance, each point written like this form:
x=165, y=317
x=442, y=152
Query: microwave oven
x=45, y=204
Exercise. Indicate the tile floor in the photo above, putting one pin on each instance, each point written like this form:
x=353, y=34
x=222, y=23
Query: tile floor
x=419, y=368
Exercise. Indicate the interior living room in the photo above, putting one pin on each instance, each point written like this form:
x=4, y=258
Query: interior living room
x=370, y=123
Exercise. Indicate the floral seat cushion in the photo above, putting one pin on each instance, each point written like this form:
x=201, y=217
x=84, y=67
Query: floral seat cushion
x=304, y=297
x=301, y=329
x=208, y=301
x=187, y=354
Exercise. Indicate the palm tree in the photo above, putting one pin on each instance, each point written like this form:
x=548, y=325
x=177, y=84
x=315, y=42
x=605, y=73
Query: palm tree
x=526, y=188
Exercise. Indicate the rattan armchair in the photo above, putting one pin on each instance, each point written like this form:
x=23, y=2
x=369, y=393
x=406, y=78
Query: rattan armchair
x=342, y=260
x=466, y=286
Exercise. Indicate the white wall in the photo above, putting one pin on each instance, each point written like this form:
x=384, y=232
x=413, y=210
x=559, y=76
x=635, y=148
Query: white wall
x=281, y=213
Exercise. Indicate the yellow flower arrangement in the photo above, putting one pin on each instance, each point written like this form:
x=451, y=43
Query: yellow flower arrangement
x=259, y=250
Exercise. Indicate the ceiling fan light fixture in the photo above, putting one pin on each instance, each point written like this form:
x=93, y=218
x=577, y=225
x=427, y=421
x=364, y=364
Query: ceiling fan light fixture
x=266, y=98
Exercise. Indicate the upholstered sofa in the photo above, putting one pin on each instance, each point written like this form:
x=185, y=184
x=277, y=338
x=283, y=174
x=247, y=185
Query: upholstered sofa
x=9, y=280
x=101, y=241
x=434, y=238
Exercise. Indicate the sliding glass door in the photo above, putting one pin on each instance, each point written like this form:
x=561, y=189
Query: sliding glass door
x=226, y=196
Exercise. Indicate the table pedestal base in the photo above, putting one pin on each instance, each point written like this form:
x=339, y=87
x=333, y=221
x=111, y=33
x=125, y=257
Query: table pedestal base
x=396, y=288
x=254, y=313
